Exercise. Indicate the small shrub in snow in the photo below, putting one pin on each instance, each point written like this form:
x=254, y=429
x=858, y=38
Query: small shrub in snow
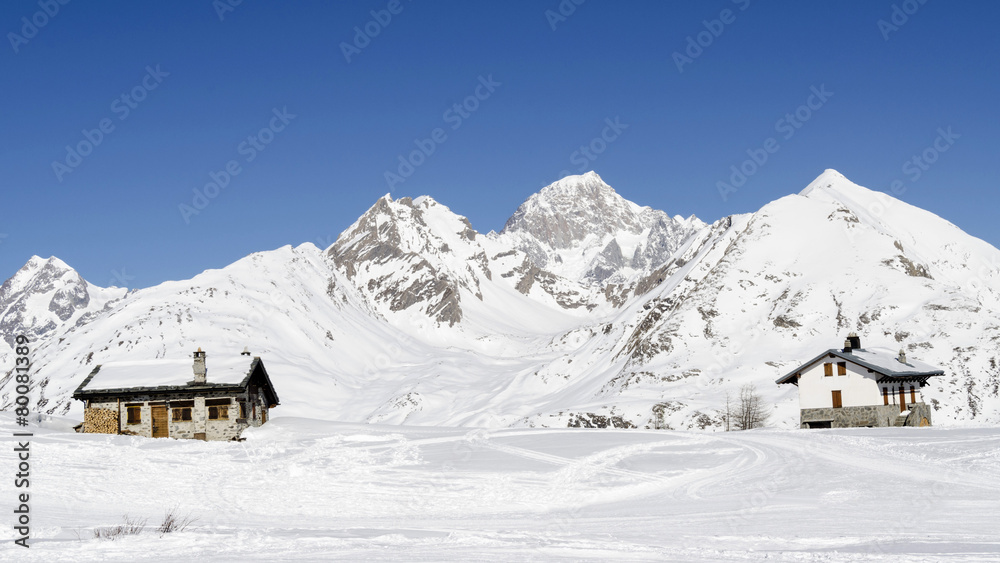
x=131, y=527
x=174, y=523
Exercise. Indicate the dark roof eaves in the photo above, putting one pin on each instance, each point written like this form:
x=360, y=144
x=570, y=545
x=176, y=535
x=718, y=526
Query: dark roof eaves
x=852, y=358
x=193, y=389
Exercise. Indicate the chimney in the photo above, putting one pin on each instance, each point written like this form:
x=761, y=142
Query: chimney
x=902, y=356
x=847, y=346
x=246, y=351
x=199, y=367
x=855, y=340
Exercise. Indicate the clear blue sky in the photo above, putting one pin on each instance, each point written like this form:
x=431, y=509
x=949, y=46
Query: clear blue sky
x=115, y=215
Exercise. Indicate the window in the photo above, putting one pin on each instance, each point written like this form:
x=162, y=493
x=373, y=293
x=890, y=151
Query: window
x=134, y=413
x=885, y=395
x=218, y=409
x=181, y=410
x=837, y=403
x=841, y=368
x=828, y=370
x=243, y=409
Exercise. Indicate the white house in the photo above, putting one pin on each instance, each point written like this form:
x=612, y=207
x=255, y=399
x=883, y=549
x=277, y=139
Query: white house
x=855, y=386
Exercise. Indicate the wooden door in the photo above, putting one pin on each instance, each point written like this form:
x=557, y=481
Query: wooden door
x=837, y=403
x=902, y=399
x=160, y=429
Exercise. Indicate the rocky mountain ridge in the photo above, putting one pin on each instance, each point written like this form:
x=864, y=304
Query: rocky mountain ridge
x=413, y=316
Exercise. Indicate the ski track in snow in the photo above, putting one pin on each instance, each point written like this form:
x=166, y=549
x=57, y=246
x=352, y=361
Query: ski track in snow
x=301, y=489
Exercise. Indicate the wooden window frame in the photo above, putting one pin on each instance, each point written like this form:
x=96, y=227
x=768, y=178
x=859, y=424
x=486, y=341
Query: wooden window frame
x=828, y=369
x=137, y=409
x=838, y=399
x=180, y=414
x=841, y=368
x=218, y=412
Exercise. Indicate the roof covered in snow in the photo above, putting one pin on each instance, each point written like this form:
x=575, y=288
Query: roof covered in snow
x=172, y=375
x=880, y=360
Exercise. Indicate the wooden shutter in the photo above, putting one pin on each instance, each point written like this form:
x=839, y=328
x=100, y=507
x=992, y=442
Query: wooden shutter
x=841, y=368
x=828, y=370
x=837, y=403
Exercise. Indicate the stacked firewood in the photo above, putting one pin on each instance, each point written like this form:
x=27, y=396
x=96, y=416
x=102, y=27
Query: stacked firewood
x=101, y=421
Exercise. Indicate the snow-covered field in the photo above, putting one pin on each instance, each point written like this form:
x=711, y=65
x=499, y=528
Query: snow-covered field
x=301, y=489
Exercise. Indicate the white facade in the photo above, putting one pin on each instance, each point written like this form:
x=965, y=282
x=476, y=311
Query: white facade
x=858, y=387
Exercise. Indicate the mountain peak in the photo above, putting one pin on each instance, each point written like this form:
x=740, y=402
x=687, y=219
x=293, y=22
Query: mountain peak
x=565, y=212
x=830, y=178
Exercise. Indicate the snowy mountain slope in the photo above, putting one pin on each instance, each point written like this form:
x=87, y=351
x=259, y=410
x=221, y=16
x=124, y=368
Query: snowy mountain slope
x=792, y=280
x=411, y=316
x=581, y=229
x=45, y=295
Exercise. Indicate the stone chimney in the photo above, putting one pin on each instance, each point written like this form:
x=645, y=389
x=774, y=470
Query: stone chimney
x=200, y=371
x=902, y=356
x=855, y=340
x=246, y=351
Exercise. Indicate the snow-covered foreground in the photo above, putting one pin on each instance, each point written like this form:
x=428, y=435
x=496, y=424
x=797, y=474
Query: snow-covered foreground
x=300, y=489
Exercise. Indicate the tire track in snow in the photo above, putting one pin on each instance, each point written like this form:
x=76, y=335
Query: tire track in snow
x=850, y=455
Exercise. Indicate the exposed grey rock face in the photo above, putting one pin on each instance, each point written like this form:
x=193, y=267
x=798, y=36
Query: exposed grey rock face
x=40, y=277
x=575, y=228
x=411, y=279
x=609, y=261
x=566, y=212
x=67, y=300
x=665, y=236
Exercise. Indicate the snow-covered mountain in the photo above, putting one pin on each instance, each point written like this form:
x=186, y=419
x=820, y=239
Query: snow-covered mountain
x=586, y=309
x=580, y=228
x=46, y=295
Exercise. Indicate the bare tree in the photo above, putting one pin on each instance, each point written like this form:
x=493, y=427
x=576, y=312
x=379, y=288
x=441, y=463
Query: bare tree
x=748, y=410
x=727, y=413
x=752, y=411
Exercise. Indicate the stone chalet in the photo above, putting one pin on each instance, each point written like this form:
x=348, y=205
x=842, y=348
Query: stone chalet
x=161, y=399
x=860, y=387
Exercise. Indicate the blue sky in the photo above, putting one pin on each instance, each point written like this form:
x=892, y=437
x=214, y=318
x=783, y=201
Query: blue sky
x=183, y=93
